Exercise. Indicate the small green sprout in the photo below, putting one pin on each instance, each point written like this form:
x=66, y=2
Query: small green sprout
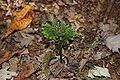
x=60, y=32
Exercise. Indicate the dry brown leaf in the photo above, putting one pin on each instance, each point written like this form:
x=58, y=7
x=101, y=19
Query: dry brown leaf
x=25, y=73
x=20, y=21
x=8, y=54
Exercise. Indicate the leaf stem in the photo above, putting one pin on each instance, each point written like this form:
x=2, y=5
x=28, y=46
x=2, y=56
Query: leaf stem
x=60, y=50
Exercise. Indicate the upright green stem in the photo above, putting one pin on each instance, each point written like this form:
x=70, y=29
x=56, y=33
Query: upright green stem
x=60, y=50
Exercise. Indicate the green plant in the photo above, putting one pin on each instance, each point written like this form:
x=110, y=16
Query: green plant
x=60, y=32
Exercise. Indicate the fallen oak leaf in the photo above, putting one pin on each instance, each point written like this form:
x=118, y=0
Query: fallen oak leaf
x=17, y=26
x=23, y=12
x=8, y=54
x=20, y=21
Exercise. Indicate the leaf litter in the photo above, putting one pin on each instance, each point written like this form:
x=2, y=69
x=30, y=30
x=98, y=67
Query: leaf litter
x=95, y=42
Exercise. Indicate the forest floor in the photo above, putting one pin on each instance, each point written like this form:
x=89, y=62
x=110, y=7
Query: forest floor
x=26, y=54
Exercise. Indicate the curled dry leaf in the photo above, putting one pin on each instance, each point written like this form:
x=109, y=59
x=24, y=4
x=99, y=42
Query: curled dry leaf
x=20, y=21
x=8, y=54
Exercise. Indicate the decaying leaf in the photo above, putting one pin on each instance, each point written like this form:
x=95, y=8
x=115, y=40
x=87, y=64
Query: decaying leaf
x=25, y=73
x=108, y=28
x=113, y=43
x=56, y=68
x=8, y=54
x=49, y=56
x=20, y=21
x=5, y=74
x=13, y=63
x=23, y=38
x=99, y=71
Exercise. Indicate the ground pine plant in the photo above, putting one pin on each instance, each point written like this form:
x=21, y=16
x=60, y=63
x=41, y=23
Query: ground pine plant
x=60, y=32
